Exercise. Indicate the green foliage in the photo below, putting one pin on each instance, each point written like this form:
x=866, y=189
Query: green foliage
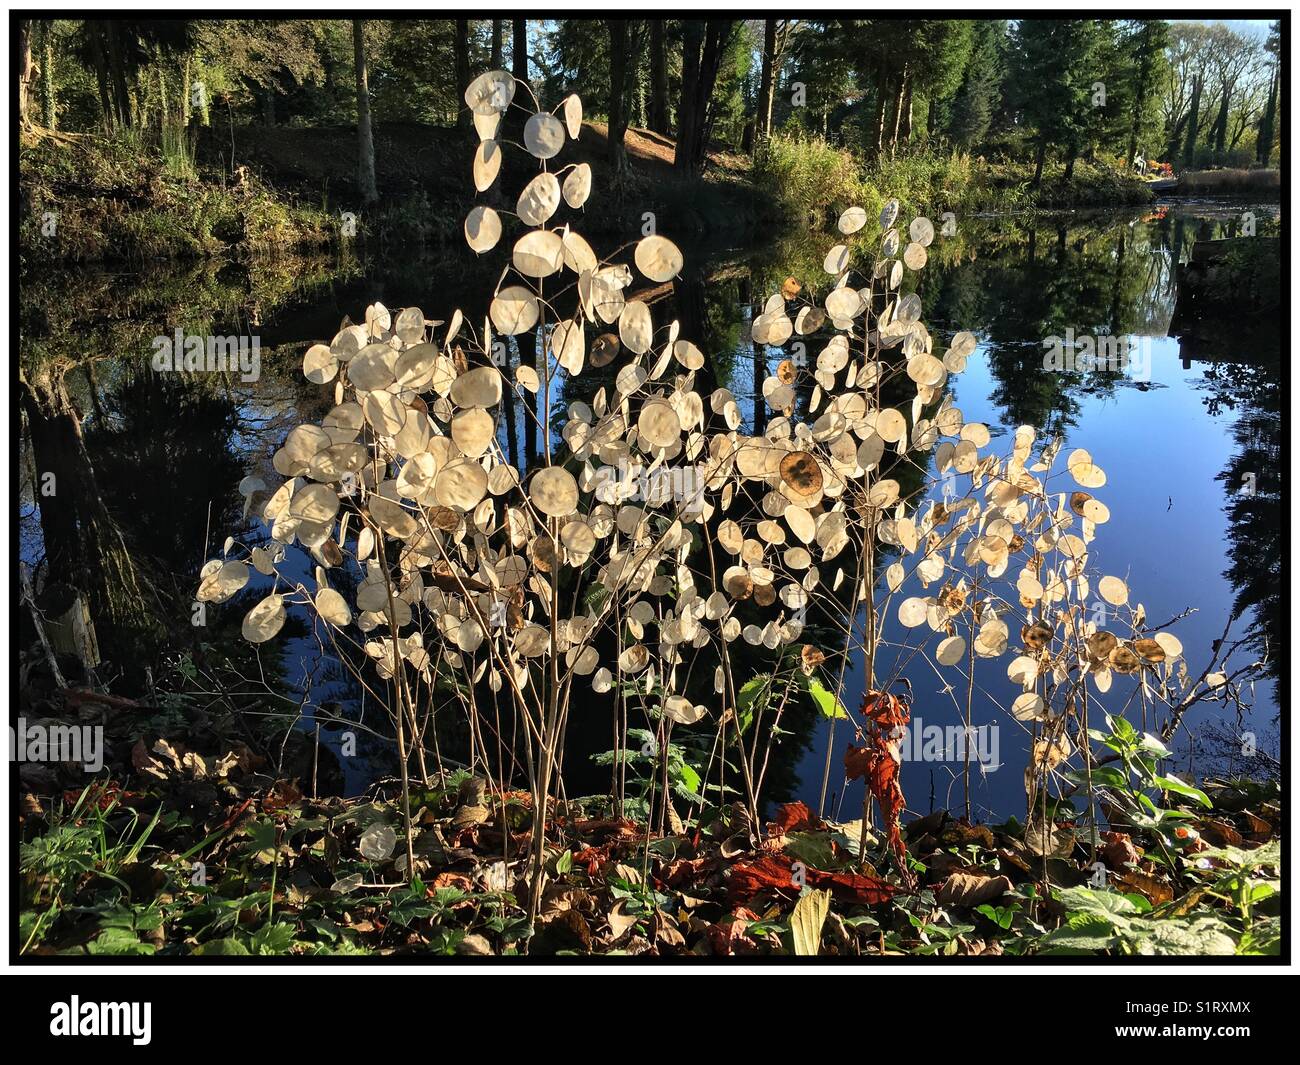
x=804, y=178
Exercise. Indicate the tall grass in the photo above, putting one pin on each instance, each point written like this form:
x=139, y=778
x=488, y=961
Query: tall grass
x=807, y=179
x=1224, y=182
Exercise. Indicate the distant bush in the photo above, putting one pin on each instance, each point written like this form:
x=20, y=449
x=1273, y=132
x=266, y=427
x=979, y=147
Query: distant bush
x=804, y=177
x=1227, y=181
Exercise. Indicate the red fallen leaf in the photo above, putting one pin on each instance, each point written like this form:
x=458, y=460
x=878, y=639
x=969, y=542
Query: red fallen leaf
x=283, y=794
x=605, y=828
x=1118, y=850
x=857, y=763
x=793, y=817
x=775, y=872
x=451, y=880
x=592, y=857
x=98, y=796
x=681, y=873
x=727, y=935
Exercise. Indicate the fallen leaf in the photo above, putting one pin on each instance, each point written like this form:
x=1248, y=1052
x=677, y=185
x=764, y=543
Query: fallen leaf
x=807, y=920
x=971, y=889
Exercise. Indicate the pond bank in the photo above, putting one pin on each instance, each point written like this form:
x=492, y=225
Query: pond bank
x=259, y=191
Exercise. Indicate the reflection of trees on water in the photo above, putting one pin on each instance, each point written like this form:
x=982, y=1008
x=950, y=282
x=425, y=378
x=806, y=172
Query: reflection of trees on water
x=135, y=458
x=1252, y=485
x=1029, y=282
x=162, y=448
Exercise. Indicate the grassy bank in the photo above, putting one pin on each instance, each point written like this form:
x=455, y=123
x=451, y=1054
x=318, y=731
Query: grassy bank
x=1231, y=182
x=291, y=189
x=808, y=178
x=88, y=199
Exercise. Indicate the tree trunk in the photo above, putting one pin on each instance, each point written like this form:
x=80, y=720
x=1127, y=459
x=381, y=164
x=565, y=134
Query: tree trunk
x=117, y=75
x=687, y=111
x=617, y=106
x=463, y=118
x=365, y=137
x=1264, y=142
x=879, y=121
x=24, y=69
x=83, y=545
x=907, y=113
x=898, y=109
x=1193, y=125
x=1039, y=160
x=47, y=79
x=658, y=114
x=1069, y=163
x=496, y=60
x=519, y=51
x=95, y=43
x=702, y=47
x=1220, y=132
x=766, y=83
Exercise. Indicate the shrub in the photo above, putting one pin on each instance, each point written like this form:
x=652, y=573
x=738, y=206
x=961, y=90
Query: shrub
x=807, y=178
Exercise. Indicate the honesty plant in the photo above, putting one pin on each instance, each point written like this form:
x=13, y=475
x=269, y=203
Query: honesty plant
x=519, y=583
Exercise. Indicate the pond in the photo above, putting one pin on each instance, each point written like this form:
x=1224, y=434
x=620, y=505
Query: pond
x=1188, y=430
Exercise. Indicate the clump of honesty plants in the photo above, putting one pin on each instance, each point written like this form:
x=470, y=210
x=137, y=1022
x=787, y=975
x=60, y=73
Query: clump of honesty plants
x=530, y=587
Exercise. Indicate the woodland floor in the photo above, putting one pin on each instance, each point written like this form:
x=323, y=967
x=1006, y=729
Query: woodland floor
x=191, y=842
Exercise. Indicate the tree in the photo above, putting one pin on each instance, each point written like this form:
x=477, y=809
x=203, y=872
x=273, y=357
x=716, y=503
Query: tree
x=365, y=138
x=117, y=49
x=1193, y=123
x=657, y=117
x=1148, y=45
x=703, y=42
x=980, y=92
x=463, y=119
x=1229, y=56
x=1056, y=99
x=519, y=49
x=24, y=67
x=618, y=79
x=1264, y=141
x=776, y=39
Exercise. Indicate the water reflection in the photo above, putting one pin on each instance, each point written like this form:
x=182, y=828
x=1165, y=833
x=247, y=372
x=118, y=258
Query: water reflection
x=1178, y=441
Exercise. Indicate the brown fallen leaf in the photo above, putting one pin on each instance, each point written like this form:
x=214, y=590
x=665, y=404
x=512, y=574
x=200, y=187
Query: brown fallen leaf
x=620, y=921
x=1157, y=891
x=1117, y=850
x=971, y=889
x=793, y=817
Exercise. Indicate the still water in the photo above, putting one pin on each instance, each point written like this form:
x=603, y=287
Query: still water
x=1189, y=433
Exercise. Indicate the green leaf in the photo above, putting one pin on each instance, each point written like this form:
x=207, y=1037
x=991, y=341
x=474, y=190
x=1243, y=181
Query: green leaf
x=1197, y=936
x=1107, y=905
x=1151, y=745
x=807, y=920
x=1172, y=783
x=749, y=693
x=689, y=777
x=564, y=863
x=826, y=701
x=1083, y=931
x=221, y=947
